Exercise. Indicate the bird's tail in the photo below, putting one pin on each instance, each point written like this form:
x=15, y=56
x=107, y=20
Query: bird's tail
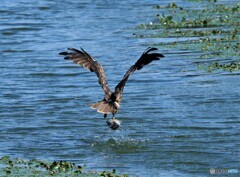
x=104, y=107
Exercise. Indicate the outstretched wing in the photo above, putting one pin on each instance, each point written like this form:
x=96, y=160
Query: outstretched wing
x=145, y=59
x=82, y=58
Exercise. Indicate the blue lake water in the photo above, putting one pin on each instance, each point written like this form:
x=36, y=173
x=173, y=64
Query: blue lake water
x=174, y=123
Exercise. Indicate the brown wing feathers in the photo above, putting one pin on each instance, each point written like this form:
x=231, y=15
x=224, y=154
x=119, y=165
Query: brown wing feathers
x=145, y=59
x=82, y=58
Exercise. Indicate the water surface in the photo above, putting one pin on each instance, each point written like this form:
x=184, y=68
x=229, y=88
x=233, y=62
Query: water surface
x=174, y=123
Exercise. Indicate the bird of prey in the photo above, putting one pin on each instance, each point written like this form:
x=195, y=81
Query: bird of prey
x=112, y=99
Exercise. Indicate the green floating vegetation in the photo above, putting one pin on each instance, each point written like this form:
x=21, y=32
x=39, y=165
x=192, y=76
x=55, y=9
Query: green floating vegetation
x=214, y=16
x=171, y=5
x=36, y=168
x=212, y=30
x=233, y=66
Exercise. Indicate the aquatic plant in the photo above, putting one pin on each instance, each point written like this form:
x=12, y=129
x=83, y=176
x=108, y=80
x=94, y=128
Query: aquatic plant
x=20, y=167
x=214, y=30
x=233, y=66
x=171, y=5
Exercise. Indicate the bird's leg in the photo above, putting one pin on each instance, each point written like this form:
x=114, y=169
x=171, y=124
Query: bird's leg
x=105, y=116
x=113, y=116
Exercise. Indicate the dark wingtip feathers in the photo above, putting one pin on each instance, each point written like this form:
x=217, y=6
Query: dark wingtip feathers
x=63, y=53
x=66, y=55
x=147, y=57
x=149, y=49
x=70, y=52
x=74, y=50
x=159, y=55
x=67, y=58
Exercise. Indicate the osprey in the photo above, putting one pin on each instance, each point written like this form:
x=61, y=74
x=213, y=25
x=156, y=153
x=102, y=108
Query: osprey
x=112, y=99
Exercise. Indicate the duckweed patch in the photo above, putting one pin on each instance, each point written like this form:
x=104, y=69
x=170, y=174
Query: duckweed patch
x=233, y=66
x=216, y=15
x=212, y=30
x=20, y=167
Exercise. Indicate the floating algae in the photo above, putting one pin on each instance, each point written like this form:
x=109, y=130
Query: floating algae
x=234, y=66
x=20, y=167
x=212, y=30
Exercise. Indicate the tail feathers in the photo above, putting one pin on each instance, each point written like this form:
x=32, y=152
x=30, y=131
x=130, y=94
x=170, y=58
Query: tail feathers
x=103, y=107
x=96, y=105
